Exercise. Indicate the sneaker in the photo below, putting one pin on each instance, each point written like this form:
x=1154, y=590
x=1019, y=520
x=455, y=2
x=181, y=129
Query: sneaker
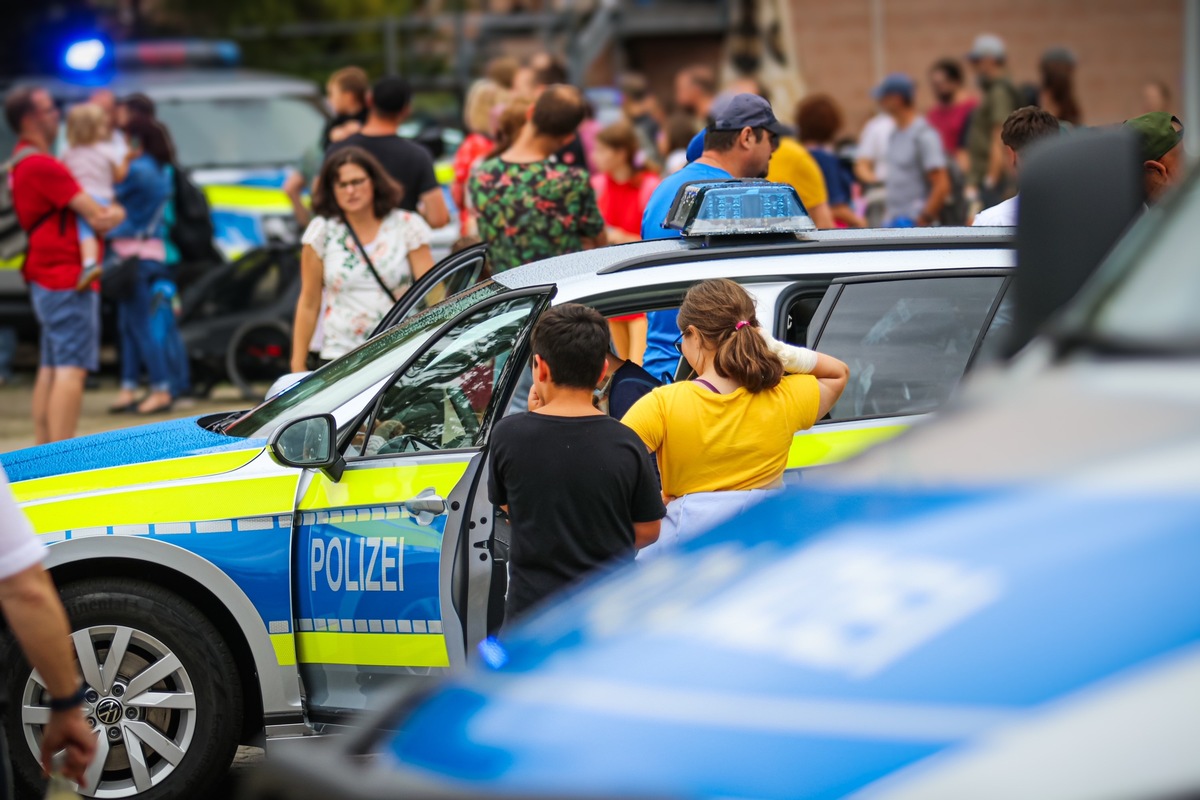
x=87, y=277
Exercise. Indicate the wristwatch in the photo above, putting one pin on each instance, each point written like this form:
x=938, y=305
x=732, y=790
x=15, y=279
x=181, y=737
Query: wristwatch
x=68, y=703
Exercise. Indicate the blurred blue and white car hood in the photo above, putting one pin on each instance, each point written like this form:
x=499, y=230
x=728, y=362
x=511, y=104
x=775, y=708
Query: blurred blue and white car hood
x=832, y=642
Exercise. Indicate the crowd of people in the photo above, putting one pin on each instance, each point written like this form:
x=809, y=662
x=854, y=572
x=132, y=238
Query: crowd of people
x=97, y=215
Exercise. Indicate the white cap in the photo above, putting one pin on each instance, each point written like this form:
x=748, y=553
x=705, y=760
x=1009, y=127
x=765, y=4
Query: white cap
x=987, y=45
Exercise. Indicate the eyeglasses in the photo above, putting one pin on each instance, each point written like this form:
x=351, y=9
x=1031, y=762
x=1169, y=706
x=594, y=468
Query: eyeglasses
x=354, y=183
x=679, y=344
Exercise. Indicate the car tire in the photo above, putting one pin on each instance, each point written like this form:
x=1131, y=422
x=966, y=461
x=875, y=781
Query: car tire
x=259, y=352
x=161, y=632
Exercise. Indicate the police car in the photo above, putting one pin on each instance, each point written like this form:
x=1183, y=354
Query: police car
x=271, y=572
x=1000, y=604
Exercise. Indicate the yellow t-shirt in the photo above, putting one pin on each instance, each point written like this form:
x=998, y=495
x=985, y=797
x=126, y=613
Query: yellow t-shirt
x=792, y=164
x=709, y=442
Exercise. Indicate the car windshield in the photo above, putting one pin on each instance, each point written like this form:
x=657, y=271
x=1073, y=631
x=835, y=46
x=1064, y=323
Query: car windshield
x=1151, y=304
x=343, y=379
x=244, y=131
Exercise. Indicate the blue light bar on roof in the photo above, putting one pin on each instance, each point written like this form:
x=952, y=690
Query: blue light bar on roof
x=179, y=53
x=738, y=207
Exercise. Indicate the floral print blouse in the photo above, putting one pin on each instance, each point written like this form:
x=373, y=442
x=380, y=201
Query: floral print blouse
x=354, y=300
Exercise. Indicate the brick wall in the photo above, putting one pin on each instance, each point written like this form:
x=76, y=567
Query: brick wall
x=1119, y=44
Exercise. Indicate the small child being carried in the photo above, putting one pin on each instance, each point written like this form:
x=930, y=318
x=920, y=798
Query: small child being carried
x=96, y=166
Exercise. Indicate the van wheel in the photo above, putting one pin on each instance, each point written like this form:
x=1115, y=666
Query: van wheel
x=163, y=694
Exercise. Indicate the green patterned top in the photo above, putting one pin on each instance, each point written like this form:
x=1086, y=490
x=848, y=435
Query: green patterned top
x=528, y=212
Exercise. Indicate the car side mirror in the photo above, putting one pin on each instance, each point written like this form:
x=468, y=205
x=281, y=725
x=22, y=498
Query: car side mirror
x=309, y=443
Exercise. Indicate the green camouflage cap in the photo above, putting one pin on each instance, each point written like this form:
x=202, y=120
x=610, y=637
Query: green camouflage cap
x=1158, y=134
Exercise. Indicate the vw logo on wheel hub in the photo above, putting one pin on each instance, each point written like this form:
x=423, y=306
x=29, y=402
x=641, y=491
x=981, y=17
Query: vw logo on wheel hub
x=108, y=712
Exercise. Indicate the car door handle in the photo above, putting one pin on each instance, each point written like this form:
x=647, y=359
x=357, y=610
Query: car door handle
x=426, y=506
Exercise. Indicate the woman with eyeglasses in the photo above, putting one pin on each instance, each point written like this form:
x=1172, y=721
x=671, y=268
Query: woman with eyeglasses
x=360, y=251
x=722, y=438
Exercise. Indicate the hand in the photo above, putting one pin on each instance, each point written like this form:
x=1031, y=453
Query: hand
x=924, y=219
x=535, y=402
x=67, y=729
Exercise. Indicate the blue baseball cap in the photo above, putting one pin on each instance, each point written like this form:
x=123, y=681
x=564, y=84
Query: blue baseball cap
x=732, y=112
x=896, y=83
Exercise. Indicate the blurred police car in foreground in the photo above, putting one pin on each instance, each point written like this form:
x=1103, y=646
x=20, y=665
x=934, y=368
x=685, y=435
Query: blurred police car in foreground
x=270, y=573
x=1002, y=603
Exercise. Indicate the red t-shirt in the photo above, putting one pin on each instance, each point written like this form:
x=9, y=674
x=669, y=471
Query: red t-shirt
x=623, y=204
x=40, y=184
x=951, y=122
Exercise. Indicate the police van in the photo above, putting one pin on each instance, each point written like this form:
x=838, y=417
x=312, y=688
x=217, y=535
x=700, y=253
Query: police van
x=271, y=572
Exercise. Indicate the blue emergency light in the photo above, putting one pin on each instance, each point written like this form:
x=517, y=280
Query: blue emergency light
x=85, y=56
x=738, y=207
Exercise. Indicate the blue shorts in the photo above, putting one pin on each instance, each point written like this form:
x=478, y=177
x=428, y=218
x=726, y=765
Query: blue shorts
x=70, y=323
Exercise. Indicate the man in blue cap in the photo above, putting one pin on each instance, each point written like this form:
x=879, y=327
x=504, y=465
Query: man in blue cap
x=740, y=137
x=917, y=183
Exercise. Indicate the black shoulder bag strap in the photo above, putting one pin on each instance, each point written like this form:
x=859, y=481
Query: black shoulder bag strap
x=367, y=259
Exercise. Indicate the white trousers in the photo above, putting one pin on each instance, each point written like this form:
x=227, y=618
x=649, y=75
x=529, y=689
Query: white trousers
x=694, y=514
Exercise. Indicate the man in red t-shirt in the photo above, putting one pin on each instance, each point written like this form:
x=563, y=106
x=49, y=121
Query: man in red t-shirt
x=953, y=110
x=47, y=199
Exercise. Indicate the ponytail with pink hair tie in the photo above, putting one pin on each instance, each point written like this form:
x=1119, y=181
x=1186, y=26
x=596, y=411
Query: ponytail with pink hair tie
x=741, y=324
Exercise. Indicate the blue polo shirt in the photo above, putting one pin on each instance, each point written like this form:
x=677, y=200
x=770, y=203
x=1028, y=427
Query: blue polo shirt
x=661, y=357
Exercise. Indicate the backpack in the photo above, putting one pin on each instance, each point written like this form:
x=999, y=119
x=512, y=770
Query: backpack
x=192, y=232
x=14, y=240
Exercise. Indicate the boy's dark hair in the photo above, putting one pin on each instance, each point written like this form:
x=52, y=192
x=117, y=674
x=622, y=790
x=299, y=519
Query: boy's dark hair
x=573, y=341
x=1026, y=126
x=950, y=68
x=18, y=104
x=559, y=111
x=390, y=96
x=386, y=192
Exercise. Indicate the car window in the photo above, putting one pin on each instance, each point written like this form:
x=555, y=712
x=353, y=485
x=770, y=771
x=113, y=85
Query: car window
x=440, y=400
x=345, y=378
x=907, y=341
x=999, y=330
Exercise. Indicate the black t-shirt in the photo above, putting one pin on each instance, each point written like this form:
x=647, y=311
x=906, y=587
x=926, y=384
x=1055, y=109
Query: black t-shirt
x=573, y=155
x=574, y=487
x=406, y=161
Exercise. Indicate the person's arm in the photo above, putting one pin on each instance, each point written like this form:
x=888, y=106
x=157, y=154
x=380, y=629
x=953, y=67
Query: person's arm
x=646, y=533
x=995, y=169
x=293, y=187
x=592, y=243
x=832, y=376
x=821, y=216
x=864, y=170
x=421, y=261
x=939, y=190
x=844, y=214
x=308, y=306
x=102, y=219
x=38, y=621
x=433, y=208
x=615, y=235
x=120, y=170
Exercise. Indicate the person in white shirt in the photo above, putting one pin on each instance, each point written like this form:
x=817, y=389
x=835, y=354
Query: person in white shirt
x=1022, y=128
x=37, y=620
x=870, y=165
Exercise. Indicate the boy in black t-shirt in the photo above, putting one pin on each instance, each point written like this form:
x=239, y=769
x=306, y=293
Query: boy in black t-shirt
x=578, y=486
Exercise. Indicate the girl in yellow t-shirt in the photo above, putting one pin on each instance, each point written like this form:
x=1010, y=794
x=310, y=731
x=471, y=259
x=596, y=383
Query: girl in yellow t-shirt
x=724, y=436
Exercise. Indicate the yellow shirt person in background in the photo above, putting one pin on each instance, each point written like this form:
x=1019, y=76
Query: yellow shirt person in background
x=792, y=164
x=724, y=437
